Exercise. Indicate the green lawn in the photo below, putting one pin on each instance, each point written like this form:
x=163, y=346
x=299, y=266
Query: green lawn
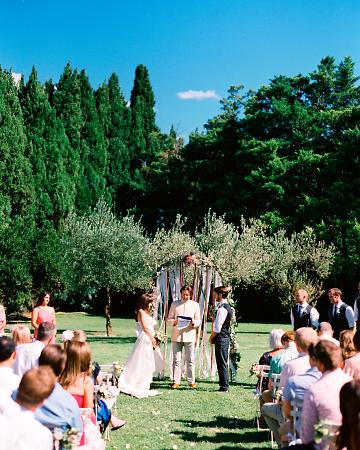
x=183, y=419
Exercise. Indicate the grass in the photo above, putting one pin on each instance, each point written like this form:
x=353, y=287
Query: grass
x=182, y=419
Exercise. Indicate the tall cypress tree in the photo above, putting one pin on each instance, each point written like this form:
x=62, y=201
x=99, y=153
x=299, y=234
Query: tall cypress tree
x=67, y=103
x=115, y=118
x=16, y=183
x=93, y=145
x=16, y=196
x=144, y=132
x=48, y=153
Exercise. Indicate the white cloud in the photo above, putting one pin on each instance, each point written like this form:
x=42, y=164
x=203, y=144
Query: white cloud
x=197, y=95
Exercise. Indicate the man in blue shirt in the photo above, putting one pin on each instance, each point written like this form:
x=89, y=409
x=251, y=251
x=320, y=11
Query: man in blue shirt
x=60, y=409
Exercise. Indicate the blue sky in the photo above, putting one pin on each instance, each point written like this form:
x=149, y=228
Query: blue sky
x=187, y=45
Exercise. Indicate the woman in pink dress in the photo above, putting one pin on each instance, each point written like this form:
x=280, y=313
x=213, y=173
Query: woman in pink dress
x=42, y=313
x=75, y=377
x=2, y=320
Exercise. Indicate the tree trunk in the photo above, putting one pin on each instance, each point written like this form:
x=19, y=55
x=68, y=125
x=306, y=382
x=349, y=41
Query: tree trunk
x=107, y=312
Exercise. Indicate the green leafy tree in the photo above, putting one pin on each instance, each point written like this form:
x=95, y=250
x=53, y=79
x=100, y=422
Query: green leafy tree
x=104, y=255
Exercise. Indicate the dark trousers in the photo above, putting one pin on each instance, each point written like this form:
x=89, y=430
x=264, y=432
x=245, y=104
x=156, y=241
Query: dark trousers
x=222, y=356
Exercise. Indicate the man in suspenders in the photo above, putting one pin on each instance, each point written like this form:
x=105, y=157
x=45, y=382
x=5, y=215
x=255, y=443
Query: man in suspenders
x=221, y=336
x=341, y=315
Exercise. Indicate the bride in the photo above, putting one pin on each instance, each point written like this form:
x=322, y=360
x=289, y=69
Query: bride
x=145, y=358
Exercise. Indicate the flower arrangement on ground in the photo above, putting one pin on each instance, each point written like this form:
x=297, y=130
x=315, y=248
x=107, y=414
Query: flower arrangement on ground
x=325, y=433
x=66, y=440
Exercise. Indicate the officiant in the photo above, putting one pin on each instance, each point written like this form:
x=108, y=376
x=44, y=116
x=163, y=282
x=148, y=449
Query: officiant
x=184, y=317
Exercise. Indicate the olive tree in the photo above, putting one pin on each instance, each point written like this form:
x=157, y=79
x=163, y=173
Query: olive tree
x=103, y=255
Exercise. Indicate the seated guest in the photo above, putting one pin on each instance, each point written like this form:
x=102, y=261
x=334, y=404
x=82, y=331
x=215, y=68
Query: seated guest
x=276, y=348
x=76, y=379
x=352, y=364
x=272, y=412
x=8, y=379
x=23, y=431
x=325, y=331
x=278, y=361
x=346, y=339
x=79, y=336
x=349, y=433
x=21, y=334
x=304, y=338
x=295, y=389
x=321, y=402
x=27, y=355
x=60, y=409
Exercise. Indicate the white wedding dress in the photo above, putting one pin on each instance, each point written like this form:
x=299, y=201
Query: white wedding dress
x=142, y=363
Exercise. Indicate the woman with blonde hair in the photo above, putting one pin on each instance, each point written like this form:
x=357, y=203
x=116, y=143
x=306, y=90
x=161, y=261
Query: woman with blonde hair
x=346, y=339
x=21, y=334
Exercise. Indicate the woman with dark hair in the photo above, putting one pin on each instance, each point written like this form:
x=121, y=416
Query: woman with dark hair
x=145, y=358
x=349, y=433
x=43, y=313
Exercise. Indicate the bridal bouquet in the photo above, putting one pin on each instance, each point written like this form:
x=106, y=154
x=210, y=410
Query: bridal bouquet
x=68, y=439
x=160, y=337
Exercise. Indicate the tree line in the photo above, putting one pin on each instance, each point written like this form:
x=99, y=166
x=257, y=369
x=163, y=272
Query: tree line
x=286, y=155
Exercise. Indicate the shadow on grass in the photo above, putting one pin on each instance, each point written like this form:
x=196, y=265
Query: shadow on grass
x=216, y=434
x=246, y=385
x=252, y=332
x=114, y=340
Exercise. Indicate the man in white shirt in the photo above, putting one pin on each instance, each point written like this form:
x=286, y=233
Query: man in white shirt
x=188, y=312
x=8, y=379
x=27, y=355
x=303, y=314
x=23, y=431
x=220, y=336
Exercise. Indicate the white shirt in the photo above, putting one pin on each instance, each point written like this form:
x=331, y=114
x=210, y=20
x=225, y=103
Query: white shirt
x=314, y=315
x=356, y=310
x=27, y=357
x=349, y=313
x=8, y=380
x=220, y=317
x=21, y=431
x=328, y=337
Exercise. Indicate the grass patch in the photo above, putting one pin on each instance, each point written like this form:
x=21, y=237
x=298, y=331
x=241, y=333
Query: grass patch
x=182, y=419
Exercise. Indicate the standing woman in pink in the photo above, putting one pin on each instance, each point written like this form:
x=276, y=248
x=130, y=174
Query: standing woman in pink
x=2, y=320
x=42, y=313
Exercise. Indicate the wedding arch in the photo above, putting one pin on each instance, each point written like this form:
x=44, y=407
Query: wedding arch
x=189, y=270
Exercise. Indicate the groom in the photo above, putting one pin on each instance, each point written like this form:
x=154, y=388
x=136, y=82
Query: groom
x=221, y=336
x=184, y=316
